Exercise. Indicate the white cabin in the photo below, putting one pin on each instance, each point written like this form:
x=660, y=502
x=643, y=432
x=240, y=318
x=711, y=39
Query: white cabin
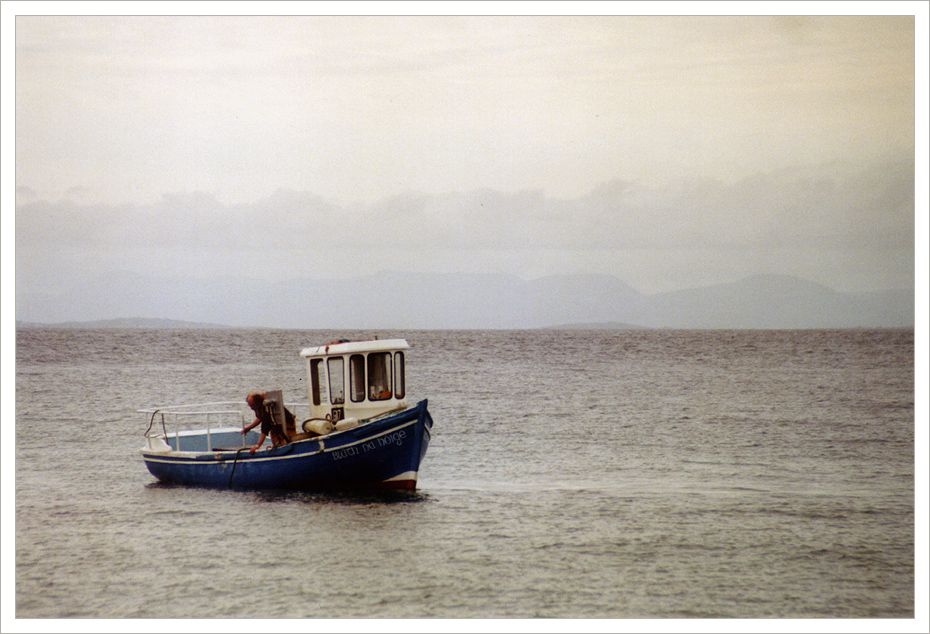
x=353, y=380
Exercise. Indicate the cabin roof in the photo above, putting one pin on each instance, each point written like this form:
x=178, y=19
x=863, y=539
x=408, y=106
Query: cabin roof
x=337, y=348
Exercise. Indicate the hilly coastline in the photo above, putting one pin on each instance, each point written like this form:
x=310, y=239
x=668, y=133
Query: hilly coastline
x=141, y=323
x=460, y=301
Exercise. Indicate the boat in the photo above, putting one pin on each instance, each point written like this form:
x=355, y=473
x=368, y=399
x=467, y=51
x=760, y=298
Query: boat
x=358, y=432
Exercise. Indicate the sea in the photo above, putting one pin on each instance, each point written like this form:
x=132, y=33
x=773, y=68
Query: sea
x=588, y=475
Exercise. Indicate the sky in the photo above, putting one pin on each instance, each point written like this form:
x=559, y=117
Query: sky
x=669, y=151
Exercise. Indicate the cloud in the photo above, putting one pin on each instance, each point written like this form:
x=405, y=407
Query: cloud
x=26, y=194
x=298, y=234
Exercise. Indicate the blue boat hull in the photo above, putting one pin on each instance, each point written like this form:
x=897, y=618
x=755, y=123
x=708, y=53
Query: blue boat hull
x=383, y=453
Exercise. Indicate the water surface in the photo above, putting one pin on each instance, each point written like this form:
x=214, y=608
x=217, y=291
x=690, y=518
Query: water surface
x=589, y=474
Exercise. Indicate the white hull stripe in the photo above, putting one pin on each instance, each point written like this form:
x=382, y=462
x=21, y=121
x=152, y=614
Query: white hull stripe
x=154, y=457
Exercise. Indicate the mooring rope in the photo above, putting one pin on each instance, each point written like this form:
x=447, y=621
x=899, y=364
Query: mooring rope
x=229, y=484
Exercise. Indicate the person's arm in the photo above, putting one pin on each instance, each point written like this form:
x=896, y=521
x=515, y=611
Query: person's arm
x=249, y=428
x=261, y=439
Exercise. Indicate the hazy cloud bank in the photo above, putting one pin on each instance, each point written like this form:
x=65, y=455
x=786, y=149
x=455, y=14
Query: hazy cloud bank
x=818, y=214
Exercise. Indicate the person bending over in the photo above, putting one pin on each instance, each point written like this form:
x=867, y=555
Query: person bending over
x=263, y=417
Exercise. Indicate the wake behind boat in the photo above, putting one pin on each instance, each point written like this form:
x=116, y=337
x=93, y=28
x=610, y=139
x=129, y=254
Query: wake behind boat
x=359, y=432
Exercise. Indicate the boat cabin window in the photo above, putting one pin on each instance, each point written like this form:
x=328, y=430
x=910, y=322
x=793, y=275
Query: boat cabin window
x=337, y=387
x=357, y=377
x=379, y=376
x=316, y=379
x=375, y=376
x=399, y=387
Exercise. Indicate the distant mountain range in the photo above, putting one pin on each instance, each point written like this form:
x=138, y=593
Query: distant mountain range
x=124, y=322
x=459, y=301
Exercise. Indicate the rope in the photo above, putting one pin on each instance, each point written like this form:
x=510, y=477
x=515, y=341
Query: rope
x=152, y=422
x=164, y=430
x=229, y=484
